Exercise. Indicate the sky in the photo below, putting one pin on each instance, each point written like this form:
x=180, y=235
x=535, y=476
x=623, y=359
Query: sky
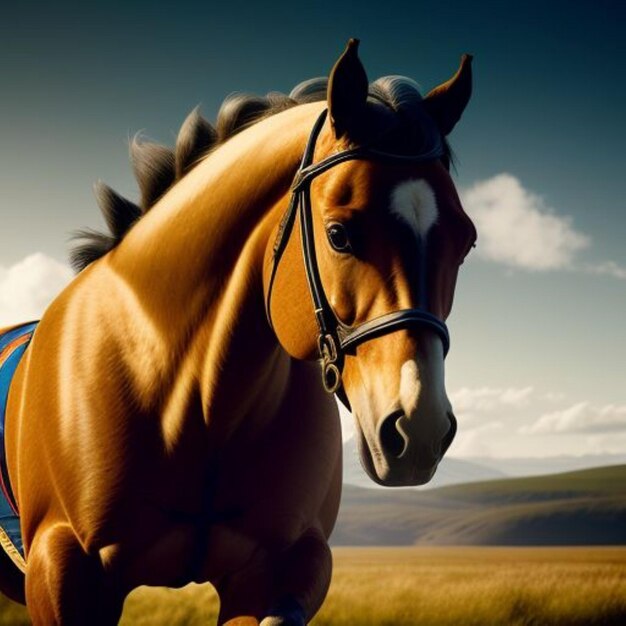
x=536, y=366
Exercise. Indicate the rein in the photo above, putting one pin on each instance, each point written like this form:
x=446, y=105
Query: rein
x=336, y=339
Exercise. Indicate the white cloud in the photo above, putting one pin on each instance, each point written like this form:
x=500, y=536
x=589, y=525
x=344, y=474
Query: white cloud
x=580, y=418
x=469, y=401
x=606, y=443
x=493, y=419
x=27, y=287
x=477, y=441
x=554, y=396
x=608, y=268
x=517, y=229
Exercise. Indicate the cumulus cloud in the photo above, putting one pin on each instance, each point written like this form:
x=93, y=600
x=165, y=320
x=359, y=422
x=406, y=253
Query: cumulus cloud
x=580, y=418
x=516, y=227
x=27, y=287
x=472, y=402
x=477, y=441
x=492, y=420
x=608, y=268
x=607, y=443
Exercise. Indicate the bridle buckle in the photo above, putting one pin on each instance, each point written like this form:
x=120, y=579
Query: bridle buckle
x=327, y=348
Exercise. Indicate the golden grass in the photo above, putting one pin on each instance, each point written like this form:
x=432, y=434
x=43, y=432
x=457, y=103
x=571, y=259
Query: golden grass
x=467, y=586
x=433, y=586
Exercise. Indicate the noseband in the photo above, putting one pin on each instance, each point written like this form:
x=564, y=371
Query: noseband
x=336, y=339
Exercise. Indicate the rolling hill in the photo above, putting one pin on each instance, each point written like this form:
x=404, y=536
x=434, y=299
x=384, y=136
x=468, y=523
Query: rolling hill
x=538, y=466
x=585, y=507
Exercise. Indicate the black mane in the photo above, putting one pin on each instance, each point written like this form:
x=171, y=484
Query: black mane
x=400, y=124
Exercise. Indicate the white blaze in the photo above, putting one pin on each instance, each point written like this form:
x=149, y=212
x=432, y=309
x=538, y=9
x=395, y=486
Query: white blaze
x=409, y=386
x=413, y=201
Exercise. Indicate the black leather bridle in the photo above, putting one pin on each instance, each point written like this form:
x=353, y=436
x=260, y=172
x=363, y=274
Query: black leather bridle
x=335, y=339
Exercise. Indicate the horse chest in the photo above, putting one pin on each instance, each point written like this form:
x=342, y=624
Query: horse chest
x=259, y=499
x=281, y=479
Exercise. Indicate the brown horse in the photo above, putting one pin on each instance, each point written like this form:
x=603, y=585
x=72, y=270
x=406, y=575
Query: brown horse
x=168, y=422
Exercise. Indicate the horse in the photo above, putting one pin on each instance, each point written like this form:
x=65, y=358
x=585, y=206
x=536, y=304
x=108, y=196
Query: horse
x=172, y=418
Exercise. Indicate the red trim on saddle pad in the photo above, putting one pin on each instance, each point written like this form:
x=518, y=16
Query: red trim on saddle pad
x=4, y=355
x=13, y=344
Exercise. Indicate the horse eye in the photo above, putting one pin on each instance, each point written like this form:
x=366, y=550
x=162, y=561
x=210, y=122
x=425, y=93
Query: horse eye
x=338, y=237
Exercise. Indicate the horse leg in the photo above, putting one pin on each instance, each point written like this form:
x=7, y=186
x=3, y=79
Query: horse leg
x=284, y=589
x=244, y=594
x=303, y=578
x=66, y=586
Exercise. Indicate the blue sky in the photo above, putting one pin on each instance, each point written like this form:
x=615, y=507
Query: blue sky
x=537, y=364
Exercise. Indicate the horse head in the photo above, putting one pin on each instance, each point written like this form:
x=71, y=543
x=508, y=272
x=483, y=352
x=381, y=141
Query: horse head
x=364, y=279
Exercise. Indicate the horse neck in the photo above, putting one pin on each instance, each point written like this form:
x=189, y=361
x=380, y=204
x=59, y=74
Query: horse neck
x=179, y=257
x=187, y=281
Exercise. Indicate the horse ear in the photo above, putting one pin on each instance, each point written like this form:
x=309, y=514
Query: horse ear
x=446, y=103
x=347, y=93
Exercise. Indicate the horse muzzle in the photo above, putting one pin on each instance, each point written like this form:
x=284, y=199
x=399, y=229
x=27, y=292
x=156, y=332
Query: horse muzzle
x=398, y=457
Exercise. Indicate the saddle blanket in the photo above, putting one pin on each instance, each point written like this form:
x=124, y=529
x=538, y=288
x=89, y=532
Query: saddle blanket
x=13, y=344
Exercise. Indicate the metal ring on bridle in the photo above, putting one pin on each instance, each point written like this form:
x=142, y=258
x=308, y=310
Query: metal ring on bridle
x=331, y=377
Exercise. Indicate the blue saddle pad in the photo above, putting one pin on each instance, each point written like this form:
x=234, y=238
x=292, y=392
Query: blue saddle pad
x=13, y=344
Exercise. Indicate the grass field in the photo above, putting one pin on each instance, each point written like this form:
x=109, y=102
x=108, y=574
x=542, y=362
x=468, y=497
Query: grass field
x=431, y=586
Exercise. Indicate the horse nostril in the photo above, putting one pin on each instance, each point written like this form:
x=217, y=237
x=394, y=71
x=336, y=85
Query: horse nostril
x=391, y=438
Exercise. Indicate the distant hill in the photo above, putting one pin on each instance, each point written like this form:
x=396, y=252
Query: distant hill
x=537, y=466
x=586, y=507
x=451, y=471
x=455, y=471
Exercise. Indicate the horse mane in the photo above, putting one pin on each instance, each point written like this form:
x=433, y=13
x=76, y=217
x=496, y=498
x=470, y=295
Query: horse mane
x=157, y=168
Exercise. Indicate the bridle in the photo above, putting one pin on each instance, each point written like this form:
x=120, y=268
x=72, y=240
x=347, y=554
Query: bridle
x=336, y=339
